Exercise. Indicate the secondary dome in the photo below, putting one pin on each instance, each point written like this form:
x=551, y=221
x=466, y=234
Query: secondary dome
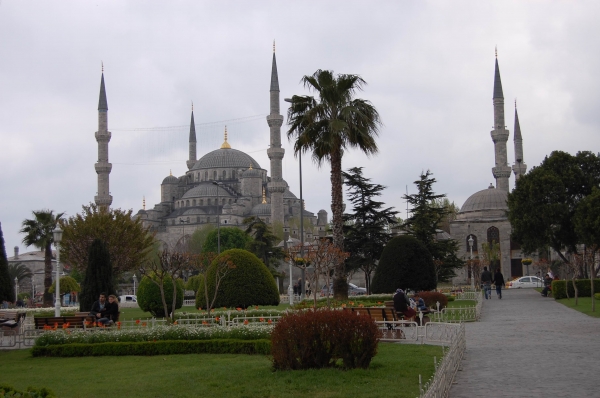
x=170, y=180
x=226, y=158
x=487, y=199
x=262, y=209
x=206, y=189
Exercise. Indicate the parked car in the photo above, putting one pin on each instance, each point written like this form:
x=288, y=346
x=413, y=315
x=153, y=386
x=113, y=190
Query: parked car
x=526, y=281
x=128, y=300
x=353, y=290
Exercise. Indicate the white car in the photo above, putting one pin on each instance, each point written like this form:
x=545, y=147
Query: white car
x=526, y=281
x=128, y=301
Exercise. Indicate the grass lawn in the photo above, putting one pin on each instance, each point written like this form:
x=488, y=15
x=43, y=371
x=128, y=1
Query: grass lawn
x=394, y=372
x=584, y=306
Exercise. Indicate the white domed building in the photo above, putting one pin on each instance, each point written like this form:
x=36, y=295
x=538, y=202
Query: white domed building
x=483, y=216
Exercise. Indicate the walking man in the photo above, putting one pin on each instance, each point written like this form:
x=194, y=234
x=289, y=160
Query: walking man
x=486, y=279
x=499, y=282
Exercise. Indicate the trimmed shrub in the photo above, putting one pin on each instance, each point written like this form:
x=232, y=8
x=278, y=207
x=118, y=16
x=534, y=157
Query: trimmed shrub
x=148, y=348
x=318, y=339
x=249, y=283
x=149, y=299
x=31, y=392
x=431, y=298
x=405, y=263
x=583, y=287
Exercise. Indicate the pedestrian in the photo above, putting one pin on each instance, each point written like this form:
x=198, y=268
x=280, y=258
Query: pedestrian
x=402, y=305
x=486, y=279
x=300, y=286
x=499, y=282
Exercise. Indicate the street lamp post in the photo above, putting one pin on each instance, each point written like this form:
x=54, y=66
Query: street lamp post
x=134, y=283
x=472, y=273
x=16, y=289
x=218, y=220
x=290, y=287
x=57, y=238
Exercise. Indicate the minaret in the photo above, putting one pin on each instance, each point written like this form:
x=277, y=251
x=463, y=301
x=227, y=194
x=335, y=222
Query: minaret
x=275, y=152
x=519, y=168
x=192, y=158
x=103, y=168
x=500, y=135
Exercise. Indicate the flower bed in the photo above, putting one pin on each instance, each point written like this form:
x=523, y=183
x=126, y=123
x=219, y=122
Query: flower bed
x=158, y=333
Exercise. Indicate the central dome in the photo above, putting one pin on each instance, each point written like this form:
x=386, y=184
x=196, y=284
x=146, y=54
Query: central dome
x=226, y=158
x=487, y=199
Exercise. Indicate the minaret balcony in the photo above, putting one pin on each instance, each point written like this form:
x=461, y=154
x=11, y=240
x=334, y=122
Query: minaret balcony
x=276, y=186
x=501, y=171
x=499, y=135
x=102, y=136
x=274, y=120
x=103, y=167
x=275, y=153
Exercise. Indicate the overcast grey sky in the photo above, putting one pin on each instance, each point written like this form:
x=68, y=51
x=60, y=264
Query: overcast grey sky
x=429, y=66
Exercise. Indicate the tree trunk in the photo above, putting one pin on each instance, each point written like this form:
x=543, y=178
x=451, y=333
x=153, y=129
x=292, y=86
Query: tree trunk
x=174, y=301
x=340, y=290
x=48, y=276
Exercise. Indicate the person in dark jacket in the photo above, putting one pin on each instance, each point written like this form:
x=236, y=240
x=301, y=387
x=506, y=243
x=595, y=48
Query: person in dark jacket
x=547, y=285
x=99, y=307
x=499, y=282
x=402, y=305
x=486, y=280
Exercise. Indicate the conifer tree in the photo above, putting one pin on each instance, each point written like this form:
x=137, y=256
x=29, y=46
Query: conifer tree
x=98, y=276
x=423, y=224
x=366, y=230
x=6, y=286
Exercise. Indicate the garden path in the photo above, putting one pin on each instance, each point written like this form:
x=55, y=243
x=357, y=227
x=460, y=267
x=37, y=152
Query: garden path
x=529, y=346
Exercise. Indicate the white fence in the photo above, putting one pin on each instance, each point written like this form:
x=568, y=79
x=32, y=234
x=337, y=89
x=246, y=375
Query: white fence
x=461, y=314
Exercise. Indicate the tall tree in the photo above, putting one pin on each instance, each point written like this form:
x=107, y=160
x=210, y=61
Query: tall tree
x=423, y=223
x=19, y=271
x=263, y=243
x=38, y=233
x=7, y=291
x=98, y=276
x=126, y=239
x=230, y=238
x=543, y=205
x=451, y=212
x=367, y=229
x=327, y=126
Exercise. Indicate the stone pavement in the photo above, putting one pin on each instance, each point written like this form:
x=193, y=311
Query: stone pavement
x=530, y=346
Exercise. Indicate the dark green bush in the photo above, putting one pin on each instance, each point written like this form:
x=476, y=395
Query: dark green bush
x=162, y=347
x=149, y=299
x=431, y=298
x=249, y=283
x=405, y=263
x=31, y=392
x=231, y=238
x=583, y=286
x=597, y=296
x=318, y=339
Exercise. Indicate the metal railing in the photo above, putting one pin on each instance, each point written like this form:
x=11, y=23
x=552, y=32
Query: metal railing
x=461, y=314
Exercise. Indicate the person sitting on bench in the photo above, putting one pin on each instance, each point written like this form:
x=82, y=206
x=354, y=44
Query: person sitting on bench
x=99, y=307
x=402, y=305
x=420, y=304
x=111, y=315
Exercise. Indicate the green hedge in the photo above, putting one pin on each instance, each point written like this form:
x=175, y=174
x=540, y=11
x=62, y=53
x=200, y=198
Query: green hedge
x=9, y=391
x=583, y=287
x=164, y=347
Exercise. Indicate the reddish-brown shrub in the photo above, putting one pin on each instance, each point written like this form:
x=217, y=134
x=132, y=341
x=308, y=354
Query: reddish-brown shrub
x=317, y=339
x=431, y=298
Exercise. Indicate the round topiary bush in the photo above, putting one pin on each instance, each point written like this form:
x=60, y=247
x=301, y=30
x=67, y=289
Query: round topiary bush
x=405, y=263
x=149, y=299
x=249, y=283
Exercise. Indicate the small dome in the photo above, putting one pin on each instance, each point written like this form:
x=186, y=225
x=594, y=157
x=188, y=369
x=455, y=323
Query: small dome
x=193, y=211
x=170, y=180
x=225, y=158
x=206, y=189
x=288, y=194
x=322, y=211
x=487, y=199
x=250, y=173
x=263, y=209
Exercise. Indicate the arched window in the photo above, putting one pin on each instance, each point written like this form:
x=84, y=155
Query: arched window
x=233, y=174
x=193, y=202
x=223, y=201
x=201, y=202
x=208, y=202
x=187, y=203
x=493, y=234
x=215, y=175
x=198, y=219
x=474, y=243
x=224, y=174
x=229, y=201
x=206, y=176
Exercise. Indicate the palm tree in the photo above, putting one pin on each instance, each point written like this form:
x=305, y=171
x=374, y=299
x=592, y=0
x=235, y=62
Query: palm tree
x=39, y=234
x=328, y=126
x=19, y=271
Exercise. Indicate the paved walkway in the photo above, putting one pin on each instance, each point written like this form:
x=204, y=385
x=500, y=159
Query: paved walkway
x=529, y=346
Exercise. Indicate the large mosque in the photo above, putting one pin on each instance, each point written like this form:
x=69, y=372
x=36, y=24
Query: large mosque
x=224, y=186
x=483, y=215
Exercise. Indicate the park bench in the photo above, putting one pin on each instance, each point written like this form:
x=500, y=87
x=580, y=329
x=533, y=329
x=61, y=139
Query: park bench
x=11, y=322
x=60, y=322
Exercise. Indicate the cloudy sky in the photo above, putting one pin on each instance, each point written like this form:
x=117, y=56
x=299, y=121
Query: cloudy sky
x=429, y=67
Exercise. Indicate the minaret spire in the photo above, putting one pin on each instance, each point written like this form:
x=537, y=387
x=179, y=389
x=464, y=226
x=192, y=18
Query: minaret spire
x=499, y=134
x=275, y=152
x=192, y=142
x=519, y=168
x=103, y=167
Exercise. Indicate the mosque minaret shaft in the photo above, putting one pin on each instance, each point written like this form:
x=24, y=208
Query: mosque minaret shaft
x=519, y=168
x=275, y=152
x=499, y=135
x=192, y=155
x=103, y=168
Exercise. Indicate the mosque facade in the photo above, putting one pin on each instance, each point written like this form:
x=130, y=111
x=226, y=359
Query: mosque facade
x=483, y=216
x=224, y=186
